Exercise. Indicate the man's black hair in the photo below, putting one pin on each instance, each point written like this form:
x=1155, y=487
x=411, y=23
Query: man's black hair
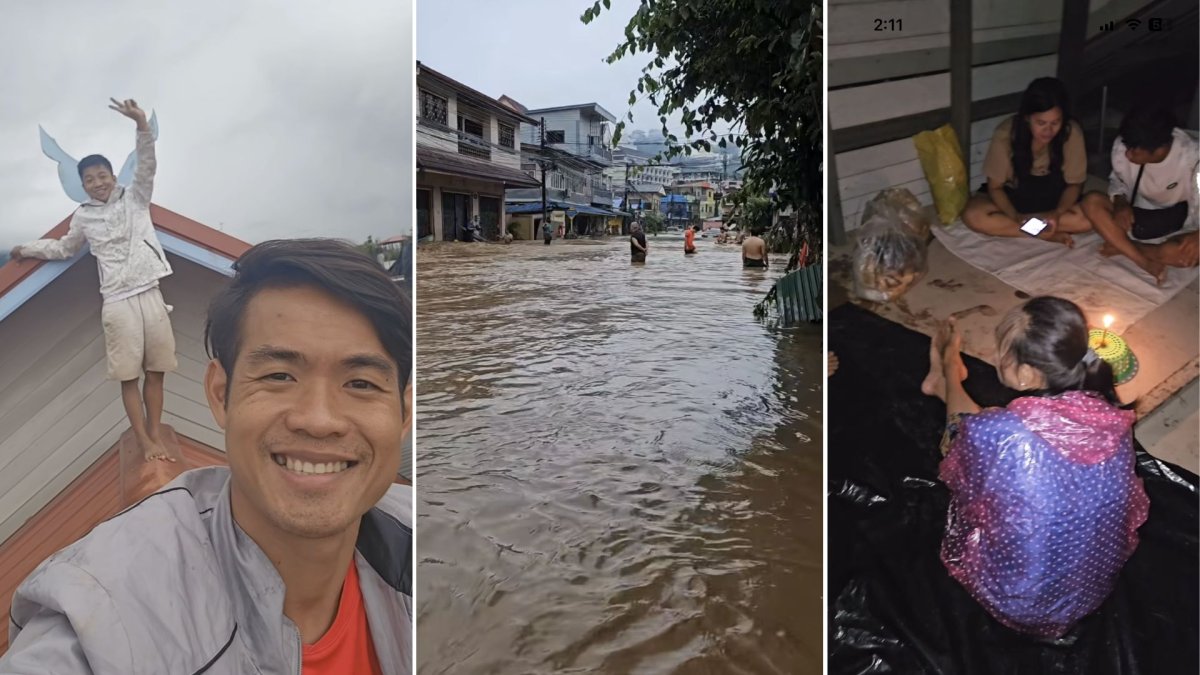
x=1147, y=127
x=94, y=160
x=333, y=266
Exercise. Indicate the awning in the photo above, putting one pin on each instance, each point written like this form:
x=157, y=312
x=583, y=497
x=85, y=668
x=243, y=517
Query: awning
x=535, y=207
x=571, y=209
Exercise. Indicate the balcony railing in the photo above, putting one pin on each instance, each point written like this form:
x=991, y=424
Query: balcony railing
x=599, y=150
x=472, y=146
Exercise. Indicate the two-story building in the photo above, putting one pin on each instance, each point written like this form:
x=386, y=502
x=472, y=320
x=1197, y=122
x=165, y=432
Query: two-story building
x=572, y=144
x=468, y=154
x=569, y=195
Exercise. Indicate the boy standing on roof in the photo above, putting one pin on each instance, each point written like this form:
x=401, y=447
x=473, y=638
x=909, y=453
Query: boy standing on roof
x=116, y=223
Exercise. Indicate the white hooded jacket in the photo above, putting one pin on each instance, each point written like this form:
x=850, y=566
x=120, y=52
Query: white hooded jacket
x=119, y=231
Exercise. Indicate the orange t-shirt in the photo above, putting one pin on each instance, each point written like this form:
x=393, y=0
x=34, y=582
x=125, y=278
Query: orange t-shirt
x=689, y=239
x=346, y=647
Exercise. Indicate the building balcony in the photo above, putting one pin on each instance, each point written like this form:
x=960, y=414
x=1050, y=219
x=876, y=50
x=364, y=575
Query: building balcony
x=600, y=152
x=474, y=147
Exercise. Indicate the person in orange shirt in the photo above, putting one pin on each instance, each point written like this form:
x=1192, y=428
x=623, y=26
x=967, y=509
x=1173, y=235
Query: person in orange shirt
x=689, y=239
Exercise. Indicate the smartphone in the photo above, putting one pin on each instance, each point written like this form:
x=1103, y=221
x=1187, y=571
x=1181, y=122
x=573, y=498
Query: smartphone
x=1034, y=226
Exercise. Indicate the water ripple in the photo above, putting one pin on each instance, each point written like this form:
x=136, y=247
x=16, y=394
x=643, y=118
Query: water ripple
x=618, y=468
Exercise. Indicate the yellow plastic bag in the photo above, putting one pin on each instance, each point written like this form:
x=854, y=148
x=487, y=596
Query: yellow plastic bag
x=942, y=161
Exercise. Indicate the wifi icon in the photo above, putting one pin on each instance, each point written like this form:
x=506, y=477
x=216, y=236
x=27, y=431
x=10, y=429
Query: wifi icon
x=1133, y=24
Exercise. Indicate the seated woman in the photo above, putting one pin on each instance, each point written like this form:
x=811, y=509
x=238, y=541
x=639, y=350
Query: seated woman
x=1152, y=194
x=1035, y=166
x=1045, y=505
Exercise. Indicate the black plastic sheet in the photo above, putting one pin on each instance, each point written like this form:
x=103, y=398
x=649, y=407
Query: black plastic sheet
x=893, y=607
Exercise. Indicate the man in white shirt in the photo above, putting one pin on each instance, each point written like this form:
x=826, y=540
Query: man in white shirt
x=1152, y=194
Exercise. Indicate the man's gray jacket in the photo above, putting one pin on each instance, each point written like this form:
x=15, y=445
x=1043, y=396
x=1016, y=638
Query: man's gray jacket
x=172, y=585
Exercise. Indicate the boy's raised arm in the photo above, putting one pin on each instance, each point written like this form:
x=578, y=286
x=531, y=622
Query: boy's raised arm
x=143, y=175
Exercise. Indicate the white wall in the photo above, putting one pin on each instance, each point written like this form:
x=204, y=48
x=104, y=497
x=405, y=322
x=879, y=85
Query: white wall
x=926, y=24
x=863, y=173
x=854, y=106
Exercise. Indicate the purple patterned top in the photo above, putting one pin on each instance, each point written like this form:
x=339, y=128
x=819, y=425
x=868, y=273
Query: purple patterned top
x=1044, y=508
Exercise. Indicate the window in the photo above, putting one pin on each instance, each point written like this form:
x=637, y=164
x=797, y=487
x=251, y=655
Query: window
x=558, y=136
x=470, y=126
x=507, y=136
x=433, y=107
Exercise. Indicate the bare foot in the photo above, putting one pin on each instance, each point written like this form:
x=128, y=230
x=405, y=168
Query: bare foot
x=935, y=381
x=1062, y=238
x=1149, y=258
x=952, y=350
x=1155, y=269
x=154, y=449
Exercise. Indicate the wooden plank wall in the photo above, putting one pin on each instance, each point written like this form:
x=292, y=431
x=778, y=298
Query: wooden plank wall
x=882, y=75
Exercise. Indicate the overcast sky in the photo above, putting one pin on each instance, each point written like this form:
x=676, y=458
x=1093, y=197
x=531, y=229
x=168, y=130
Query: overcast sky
x=537, y=52
x=276, y=118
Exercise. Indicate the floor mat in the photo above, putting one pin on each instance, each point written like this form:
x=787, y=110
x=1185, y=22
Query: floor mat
x=894, y=609
x=1098, y=284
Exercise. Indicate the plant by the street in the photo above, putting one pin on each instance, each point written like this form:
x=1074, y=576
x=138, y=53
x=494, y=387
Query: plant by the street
x=652, y=221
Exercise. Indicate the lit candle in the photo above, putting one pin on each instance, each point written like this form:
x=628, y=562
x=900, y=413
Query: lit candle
x=1108, y=322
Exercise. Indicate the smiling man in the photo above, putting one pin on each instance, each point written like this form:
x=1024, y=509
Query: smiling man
x=295, y=558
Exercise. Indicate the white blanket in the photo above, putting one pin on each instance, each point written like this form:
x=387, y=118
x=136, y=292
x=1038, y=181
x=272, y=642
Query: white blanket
x=1097, y=284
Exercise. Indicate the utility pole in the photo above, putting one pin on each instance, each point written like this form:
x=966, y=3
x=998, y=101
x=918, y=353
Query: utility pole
x=625, y=201
x=542, y=163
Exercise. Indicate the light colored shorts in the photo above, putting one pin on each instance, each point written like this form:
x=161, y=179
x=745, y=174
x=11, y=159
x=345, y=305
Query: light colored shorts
x=138, y=336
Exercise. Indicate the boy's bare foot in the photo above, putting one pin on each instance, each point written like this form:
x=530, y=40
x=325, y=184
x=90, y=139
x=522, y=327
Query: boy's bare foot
x=1148, y=259
x=1176, y=253
x=153, y=449
x=1155, y=269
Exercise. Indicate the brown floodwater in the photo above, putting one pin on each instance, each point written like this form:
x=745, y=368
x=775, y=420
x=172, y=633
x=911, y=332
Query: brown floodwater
x=618, y=467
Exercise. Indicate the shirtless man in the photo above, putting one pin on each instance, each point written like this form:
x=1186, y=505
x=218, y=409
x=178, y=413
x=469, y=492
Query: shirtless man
x=754, y=250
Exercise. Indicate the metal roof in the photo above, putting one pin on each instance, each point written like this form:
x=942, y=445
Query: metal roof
x=436, y=161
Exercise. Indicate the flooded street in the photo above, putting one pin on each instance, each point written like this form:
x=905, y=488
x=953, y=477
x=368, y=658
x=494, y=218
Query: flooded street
x=619, y=469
